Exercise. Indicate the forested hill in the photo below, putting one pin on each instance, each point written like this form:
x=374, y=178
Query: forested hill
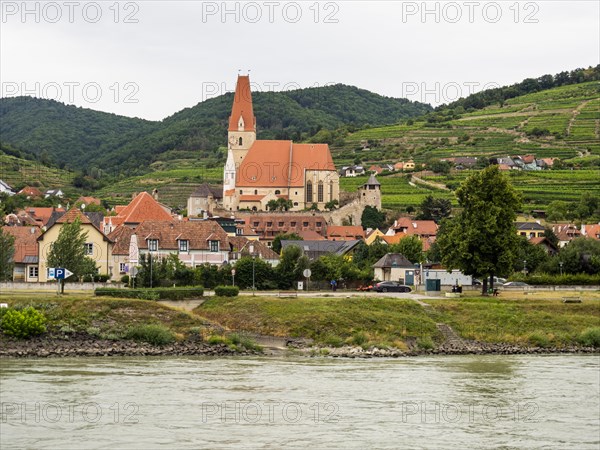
x=80, y=138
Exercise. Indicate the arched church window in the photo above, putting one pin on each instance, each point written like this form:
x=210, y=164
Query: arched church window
x=309, y=192
x=331, y=191
x=320, y=192
x=240, y=141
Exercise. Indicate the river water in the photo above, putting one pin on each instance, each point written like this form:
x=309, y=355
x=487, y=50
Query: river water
x=444, y=402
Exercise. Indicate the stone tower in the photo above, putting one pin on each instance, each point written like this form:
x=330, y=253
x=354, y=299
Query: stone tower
x=370, y=193
x=242, y=122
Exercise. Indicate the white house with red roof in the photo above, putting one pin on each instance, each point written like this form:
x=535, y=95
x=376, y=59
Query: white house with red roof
x=257, y=171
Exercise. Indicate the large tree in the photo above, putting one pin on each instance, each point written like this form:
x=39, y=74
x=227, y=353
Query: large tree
x=7, y=253
x=434, y=209
x=482, y=239
x=68, y=251
x=372, y=218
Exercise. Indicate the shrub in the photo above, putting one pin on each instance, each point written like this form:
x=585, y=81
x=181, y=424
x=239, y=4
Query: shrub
x=216, y=339
x=125, y=279
x=425, y=343
x=567, y=279
x=103, y=278
x=227, y=291
x=590, y=337
x=23, y=324
x=153, y=334
x=152, y=294
x=538, y=339
x=359, y=338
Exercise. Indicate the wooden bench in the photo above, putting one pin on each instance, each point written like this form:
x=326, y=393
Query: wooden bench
x=287, y=294
x=571, y=299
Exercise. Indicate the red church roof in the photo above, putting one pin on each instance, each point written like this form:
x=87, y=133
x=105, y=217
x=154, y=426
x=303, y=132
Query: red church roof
x=267, y=163
x=242, y=106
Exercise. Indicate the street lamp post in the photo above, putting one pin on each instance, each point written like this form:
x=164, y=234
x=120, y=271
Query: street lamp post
x=253, y=269
x=560, y=263
x=525, y=266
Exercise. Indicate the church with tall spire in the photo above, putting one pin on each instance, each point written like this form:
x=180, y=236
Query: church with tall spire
x=258, y=171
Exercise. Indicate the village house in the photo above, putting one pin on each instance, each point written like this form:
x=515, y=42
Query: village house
x=544, y=243
x=345, y=233
x=565, y=233
x=142, y=207
x=6, y=189
x=421, y=228
x=591, y=231
x=352, y=171
x=394, y=267
x=25, y=258
x=195, y=243
x=372, y=235
x=30, y=192
x=87, y=201
x=258, y=171
x=54, y=193
x=315, y=249
x=242, y=247
x=37, y=216
x=530, y=229
x=268, y=226
x=97, y=246
x=204, y=200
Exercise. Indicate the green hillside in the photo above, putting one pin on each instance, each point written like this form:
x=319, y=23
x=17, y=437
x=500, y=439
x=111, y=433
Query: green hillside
x=562, y=122
x=81, y=138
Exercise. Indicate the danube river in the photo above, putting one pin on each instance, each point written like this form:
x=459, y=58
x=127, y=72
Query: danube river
x=423, y=402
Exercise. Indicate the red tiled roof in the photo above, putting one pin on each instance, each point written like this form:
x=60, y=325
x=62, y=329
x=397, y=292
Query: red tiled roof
x=310, y=235
x=390, y=240
x=242, y=105
x=88, y=200
x=40, y=215
x=418, y=227
x=143, y=207
x=30, y=191
x=71, y=215
x=229, y=192
x=348, y=232
x=268, y=163
x=25, y=241
x=198, y=233
x=593, y=231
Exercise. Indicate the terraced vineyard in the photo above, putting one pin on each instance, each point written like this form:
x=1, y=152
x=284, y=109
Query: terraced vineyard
x=18, y=172
x=569, y=114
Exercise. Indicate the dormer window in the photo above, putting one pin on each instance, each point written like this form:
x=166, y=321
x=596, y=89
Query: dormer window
x=184, y=245
x=153, y=245
x=214, y=246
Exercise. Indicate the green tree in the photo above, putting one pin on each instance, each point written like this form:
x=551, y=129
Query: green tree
x=331, y=205
x=411, y=247
x=264, y=274
x=434, y=209
x=372, y=218
x=482, y=240
x=533, y=256
x=7, y=253
x=276, y=246
x=68, y=251
x=291, y=265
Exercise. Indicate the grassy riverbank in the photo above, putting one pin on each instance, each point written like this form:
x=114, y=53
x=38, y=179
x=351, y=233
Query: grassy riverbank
x=372, y=321
x=363, y=321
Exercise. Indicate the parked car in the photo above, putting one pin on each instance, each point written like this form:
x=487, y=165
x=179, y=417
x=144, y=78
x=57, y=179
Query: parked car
x=391, y=286
x=515, y=284
x=476, y=282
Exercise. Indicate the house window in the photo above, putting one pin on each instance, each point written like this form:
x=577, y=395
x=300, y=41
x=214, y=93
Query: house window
x=280, y=224
x=89, y=248
x=304, y=224
x=214, y=246
x=238, y=231
x=255, y=224
x=269, y=224
x=122, y=267
x=309, y=192
x=183, y=245
x=292, y=224
x=33, y=271
x=153, y=245
x=320, y=192
x=318, y=224
x=277, y=192
x=255, y=192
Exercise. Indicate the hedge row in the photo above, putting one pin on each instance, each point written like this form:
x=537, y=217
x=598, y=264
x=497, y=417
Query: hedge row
x=227, y=291
x=152, y=294
x=568, y=279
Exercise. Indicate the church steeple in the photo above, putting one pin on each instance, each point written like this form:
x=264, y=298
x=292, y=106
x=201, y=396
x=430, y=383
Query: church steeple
x=242, y=123
x=242, y=115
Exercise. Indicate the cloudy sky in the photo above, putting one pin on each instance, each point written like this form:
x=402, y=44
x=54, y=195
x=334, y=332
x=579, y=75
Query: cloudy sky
x=151, y=59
